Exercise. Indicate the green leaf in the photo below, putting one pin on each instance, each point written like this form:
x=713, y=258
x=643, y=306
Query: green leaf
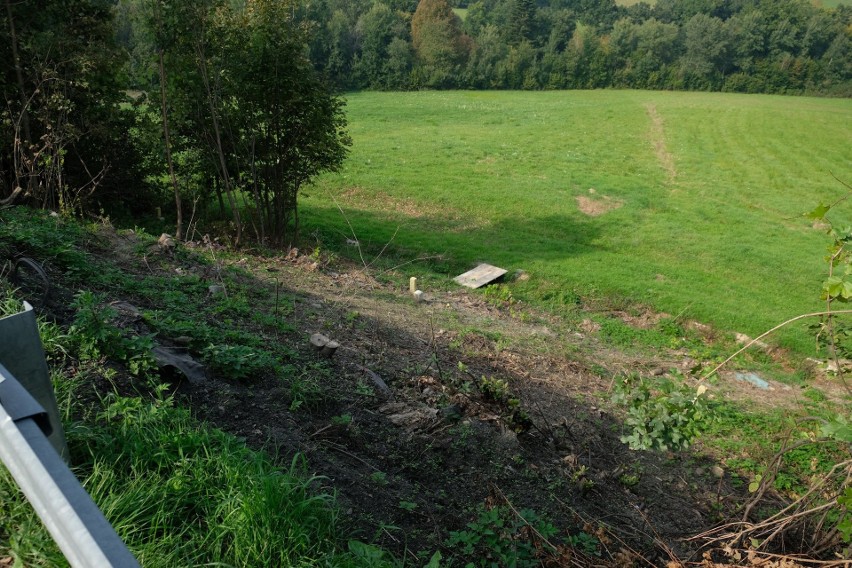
x=435, y=561
x=833, y=286
x=819, y=212
x=838, y=429
x=365, y=551
x=754, y=485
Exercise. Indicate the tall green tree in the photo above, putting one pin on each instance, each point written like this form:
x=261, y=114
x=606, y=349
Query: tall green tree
x=290, y=126
x=439, y=43
x=376, y=30
x=521, y=24
x=707, y=52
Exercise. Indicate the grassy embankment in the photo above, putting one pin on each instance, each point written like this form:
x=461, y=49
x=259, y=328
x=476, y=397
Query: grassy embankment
x=696, y=198
x=178, y=492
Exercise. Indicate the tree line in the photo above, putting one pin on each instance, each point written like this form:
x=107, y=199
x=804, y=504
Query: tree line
x=754, y=46
x=220, y=111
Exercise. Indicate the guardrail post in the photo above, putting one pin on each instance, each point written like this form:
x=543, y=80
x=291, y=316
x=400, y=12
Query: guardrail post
x=22, y=354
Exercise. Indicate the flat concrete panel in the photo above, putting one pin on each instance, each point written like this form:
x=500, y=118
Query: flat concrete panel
x=479, y=276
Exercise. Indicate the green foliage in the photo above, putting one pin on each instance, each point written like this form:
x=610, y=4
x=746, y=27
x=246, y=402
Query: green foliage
x=60, y=123
x=95, y=336
x=522, y=44
x=439, y=43
x=379, y=478
x=499, y=295
x=309, y=387
x=667, y=333
x=661, y=414
x=370, y=556
x=844, y=525
x=838, y=428
x=498, y=537
x=585, y=543
x=238, y=362
x=497, y=390
x=150, y=466
x=241, y=500
x=49, y=240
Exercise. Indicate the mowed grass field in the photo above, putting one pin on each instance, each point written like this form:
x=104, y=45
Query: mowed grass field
x=690, y=203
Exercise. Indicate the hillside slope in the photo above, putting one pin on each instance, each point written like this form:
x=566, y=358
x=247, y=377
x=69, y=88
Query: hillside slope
x=433, y=422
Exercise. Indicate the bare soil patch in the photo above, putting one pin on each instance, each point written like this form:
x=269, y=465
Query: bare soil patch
x=595, y=207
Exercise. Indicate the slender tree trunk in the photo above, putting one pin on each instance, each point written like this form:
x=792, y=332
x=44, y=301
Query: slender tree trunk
x=226, y=179
x=22, y=92
x=164, y=114
x=25, y=166
x=218, y=189
x=295, y=236
x=256, y=190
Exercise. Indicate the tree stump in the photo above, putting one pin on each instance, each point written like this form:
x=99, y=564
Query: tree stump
x=323, y=345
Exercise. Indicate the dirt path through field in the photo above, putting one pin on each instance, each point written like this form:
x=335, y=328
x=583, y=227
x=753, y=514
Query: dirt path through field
x=657, y=136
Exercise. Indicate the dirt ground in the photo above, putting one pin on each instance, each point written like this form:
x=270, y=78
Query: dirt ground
x=413, y=448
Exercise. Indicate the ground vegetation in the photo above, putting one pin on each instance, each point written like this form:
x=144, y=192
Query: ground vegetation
x=465, y=428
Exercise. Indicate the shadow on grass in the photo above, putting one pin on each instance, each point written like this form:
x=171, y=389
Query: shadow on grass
x=508, y=241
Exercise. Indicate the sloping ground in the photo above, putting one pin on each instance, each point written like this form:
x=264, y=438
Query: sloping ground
x=431, y=416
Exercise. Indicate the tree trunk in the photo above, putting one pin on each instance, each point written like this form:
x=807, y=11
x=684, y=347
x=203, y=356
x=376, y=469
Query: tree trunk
x=218, y=189
x=22, y=92
x=226, y=179
x=164, y=114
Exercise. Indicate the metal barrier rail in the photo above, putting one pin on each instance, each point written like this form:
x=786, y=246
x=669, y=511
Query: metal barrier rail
x=74, y=521
x=79, y=528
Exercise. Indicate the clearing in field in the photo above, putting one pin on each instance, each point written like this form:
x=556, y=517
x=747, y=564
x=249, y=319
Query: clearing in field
x=594, y=206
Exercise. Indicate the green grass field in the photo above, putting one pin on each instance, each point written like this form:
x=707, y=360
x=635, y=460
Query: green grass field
x=697, y=198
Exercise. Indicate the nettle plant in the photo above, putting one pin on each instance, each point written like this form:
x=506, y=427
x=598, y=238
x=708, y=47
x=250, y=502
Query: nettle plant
x=834, y=335
x=96, y=336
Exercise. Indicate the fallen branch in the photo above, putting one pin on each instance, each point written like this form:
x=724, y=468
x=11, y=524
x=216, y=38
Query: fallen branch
x=12, y=197
x=771, y=331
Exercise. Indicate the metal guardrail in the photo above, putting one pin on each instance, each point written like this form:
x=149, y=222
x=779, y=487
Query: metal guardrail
x=31, y=440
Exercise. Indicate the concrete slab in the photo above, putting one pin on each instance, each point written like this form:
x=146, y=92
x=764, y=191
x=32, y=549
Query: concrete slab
x=480, y=276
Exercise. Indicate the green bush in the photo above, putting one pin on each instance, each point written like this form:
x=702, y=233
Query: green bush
x=661, y=414
x=238, y=361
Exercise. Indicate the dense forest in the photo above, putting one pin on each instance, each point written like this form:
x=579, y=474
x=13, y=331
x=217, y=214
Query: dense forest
x=223, y=109
x=755, y=46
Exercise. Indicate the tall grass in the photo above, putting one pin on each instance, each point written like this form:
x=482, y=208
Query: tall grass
x=700, y=194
